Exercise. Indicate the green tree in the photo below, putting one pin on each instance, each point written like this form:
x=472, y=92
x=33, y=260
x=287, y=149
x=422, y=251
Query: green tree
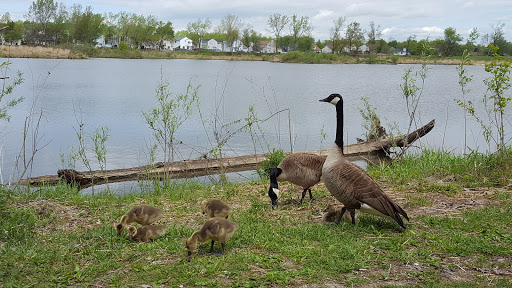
x=14, y=32
x=41, y=12
x=276, y=23
x=58, y=28
x=250, y=37
x=451, y=41
x=299, y=27
x=354, y=34
x=6, y=18
x=231, y=26
x=336, y=36
x=86, y=26
x=373, y=35
x=198, y=29
x=164, y=32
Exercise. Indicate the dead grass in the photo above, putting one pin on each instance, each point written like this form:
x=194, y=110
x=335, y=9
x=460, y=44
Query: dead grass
x=37, y=52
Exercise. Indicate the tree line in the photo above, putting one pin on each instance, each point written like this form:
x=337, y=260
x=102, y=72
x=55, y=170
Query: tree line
x=52, y=23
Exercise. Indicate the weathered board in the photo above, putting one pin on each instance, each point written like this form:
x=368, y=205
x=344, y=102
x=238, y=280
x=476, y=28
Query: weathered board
x=369, y=150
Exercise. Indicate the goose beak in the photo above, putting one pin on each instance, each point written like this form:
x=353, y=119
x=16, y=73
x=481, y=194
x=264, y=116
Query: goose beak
x=324, y=100
x=130, y=238
x=274, y=204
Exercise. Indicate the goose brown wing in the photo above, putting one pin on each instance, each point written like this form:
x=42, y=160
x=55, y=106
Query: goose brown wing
x=365, y=190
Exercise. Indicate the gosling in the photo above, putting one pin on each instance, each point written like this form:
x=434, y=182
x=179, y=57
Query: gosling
x=333, y=213
x=142, y=214
x=215, y=229
x=145, y=233
x=215, y=208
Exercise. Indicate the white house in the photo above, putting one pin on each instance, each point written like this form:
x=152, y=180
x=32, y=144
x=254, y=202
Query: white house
x=211, y=44
x=182, y=43
x=401, y=52
x=268, y=47
x=363, y=49
x=327, y=49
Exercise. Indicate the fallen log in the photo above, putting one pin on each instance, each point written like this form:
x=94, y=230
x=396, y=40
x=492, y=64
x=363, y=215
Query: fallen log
x=370, y=150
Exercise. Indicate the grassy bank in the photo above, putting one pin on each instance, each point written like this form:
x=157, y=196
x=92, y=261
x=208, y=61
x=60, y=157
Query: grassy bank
x=459, y=234
x=80, y=52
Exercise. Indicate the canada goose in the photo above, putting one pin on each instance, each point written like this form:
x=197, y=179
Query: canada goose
x=302, y=169
x=146, y=232
x=351, y=184
x=142, y=214
x=215, y=229
x=332, y=212
x=215, y=208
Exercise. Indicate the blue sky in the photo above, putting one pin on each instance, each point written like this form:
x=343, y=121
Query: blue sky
x=397, y=19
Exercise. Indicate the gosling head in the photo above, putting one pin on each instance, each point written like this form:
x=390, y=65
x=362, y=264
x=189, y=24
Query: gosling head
x=132, y=231
x=333, y=99
x=273, y=190
x=191, y=247
x=330, y=209
x=120, y=228
x=203, y=206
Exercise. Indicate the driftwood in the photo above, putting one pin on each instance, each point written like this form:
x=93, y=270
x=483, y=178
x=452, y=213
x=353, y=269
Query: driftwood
x=369, y=150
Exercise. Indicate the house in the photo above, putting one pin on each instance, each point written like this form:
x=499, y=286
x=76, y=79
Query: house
x=268, y=47
x=401, y=52
x=363, y=49
x=316, y=49
x=182, y=43
x=327, y=48
x=210, y=44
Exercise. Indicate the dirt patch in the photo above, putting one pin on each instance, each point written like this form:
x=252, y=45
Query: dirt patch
x=63, y=217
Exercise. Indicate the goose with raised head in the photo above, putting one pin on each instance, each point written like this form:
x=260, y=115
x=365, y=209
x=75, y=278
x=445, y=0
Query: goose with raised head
x=142, y=214
x=302, y=169
x=215, y=229
x=215, y=208
x=351, y=184
x=145, y=233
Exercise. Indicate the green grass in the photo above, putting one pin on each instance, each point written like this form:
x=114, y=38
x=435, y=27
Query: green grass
x=451, y=172
x=59, y=237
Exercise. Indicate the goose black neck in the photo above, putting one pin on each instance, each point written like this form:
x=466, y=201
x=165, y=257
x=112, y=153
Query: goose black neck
x=339, y=125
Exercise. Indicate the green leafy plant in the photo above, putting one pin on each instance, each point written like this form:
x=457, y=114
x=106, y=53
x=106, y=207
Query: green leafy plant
x=171, y=112
x=273, y=159
x=7, y=89
x=497, y=84
x=464, y=80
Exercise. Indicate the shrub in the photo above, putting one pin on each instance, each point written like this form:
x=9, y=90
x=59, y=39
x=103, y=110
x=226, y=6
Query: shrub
x=274, y=158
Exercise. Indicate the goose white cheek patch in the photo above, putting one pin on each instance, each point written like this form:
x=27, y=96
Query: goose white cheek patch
x=335, y=101
x=276, y=191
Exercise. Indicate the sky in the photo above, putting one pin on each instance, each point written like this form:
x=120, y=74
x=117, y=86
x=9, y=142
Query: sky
x=397, y=20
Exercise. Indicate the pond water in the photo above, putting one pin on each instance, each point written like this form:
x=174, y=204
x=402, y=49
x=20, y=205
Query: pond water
x=115, y=92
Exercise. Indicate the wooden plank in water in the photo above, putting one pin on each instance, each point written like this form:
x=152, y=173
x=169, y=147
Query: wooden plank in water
x=192, y=168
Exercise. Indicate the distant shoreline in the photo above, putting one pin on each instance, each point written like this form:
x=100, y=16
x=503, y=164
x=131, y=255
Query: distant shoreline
x=62, y=53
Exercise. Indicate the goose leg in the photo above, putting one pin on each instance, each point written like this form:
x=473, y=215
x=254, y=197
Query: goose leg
x=211, y=248
x=302, y=198
x=353, y=216
x=311, y=195
x=341, y=215
x=223, y=246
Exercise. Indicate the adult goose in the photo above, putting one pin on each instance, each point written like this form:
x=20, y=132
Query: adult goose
x=302, y=169
x=351, y=184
